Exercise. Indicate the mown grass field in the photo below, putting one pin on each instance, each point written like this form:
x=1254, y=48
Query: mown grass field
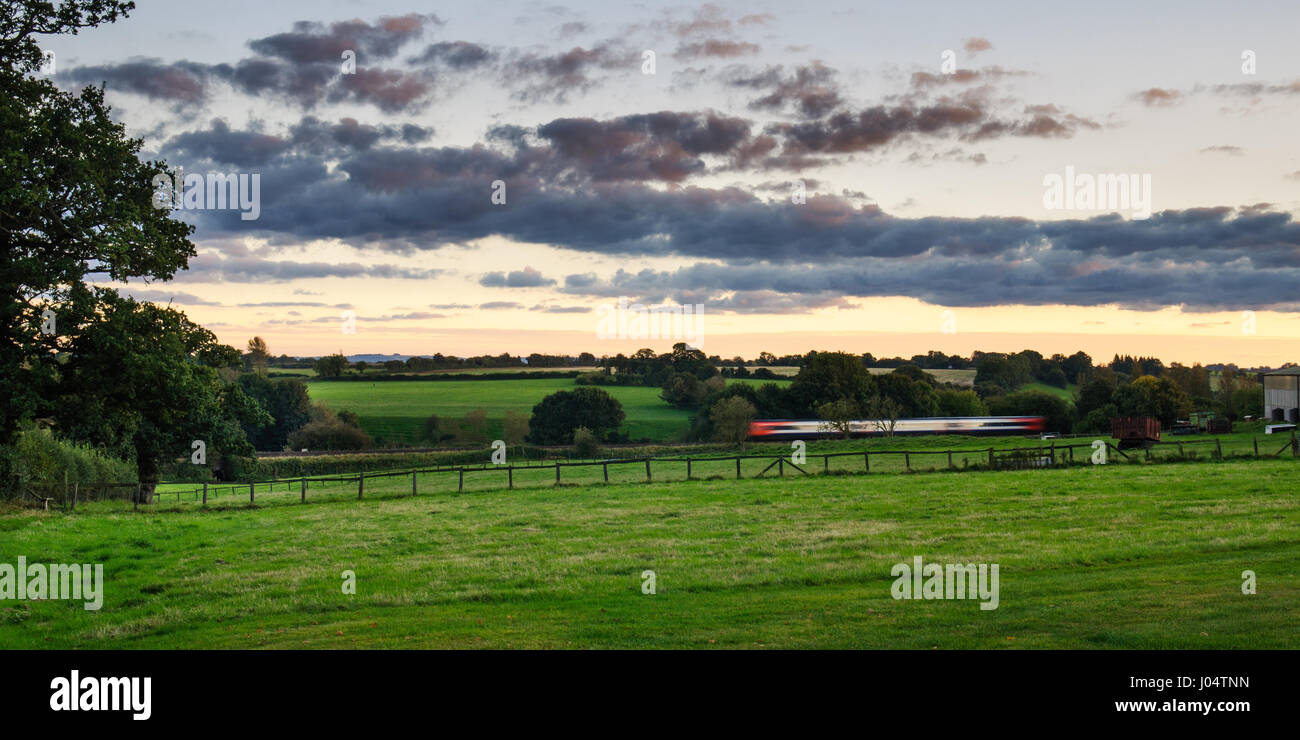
x=956, y=377
x=396, y=410
x=1113, y=556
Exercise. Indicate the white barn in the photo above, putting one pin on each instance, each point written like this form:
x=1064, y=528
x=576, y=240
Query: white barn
x=1282, y=395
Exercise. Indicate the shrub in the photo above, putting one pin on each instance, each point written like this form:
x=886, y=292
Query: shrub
x=557, y=416
x=38, y=457
x=331, y=434
x=585, y=443
x=731, y=418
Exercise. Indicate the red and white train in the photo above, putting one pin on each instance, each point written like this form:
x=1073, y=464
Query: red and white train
x=808, y=429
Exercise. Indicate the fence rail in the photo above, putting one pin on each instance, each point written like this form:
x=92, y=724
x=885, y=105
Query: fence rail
x=991, y=458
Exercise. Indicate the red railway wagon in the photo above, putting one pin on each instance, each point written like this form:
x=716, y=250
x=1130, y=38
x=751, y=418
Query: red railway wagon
x=1135, y=431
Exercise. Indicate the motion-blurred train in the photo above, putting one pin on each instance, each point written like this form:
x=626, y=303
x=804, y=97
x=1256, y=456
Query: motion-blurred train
x=808, y=429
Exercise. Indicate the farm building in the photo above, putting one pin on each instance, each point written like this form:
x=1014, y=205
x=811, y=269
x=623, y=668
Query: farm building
x=1282, y=395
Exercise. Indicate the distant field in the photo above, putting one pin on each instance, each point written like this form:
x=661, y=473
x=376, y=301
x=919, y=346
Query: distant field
x=396, y=410
x=1120, y=556
x=957, y=377
x=1066, y=393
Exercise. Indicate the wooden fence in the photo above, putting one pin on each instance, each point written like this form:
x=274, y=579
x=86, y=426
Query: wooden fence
x=992, y=458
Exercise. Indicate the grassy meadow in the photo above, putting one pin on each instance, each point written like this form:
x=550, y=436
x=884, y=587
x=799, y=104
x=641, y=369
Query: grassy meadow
x=1120, y=556
x=395, y=410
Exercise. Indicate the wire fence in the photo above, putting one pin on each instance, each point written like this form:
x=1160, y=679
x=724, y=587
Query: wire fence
x=531, y=474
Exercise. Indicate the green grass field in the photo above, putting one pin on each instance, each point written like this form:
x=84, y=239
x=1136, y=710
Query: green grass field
x=1066, y=394
x=1090, y=557
x=395, y=410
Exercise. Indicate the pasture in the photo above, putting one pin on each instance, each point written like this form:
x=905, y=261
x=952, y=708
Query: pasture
x=1090, y=557
x=956, y=377
x=395, y=411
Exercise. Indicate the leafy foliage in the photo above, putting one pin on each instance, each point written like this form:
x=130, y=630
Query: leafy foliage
x=559, y=415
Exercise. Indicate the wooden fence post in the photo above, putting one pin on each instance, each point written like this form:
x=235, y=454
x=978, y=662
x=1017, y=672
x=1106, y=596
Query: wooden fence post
x=1218, y=448
x=1295, y=451
x=415, y=490
x=647, y=470
x=251, y=486
x=75, y=487
x=737, y=467
x=205, y=493
x=780, y=466
x=866, y=461
x=303, y=483
x=1255, y=440
x=136, y=498
x=826, y=463
x=461, y=485
x=990, y=458
x=557, y=472
x=950, y=459
x=361, y=485
x=605, y=467
x=907, y=461
x=688, y=468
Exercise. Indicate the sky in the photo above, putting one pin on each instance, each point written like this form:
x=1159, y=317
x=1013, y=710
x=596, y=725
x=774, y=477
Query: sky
x=473, y=178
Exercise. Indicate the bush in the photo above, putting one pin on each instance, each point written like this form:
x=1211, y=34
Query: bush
x=1058, y=412
x=599, y=378
x=38, y=458
x=683, y=391
x=585, y=443
x=730, y=418
x=331, y=434
x=555, y=419
x=1097, y=421
x=960, y=403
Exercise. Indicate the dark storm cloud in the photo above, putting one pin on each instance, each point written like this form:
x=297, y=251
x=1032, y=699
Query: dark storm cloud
x=220, y=144
x=417, y=199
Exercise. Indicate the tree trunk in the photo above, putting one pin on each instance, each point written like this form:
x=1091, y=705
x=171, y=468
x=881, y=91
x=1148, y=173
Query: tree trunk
x=146, y=492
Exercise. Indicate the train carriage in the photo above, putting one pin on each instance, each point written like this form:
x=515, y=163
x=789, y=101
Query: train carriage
x=769, y=429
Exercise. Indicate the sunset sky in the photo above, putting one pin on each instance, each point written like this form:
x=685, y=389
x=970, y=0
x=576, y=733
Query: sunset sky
x=923, y=135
